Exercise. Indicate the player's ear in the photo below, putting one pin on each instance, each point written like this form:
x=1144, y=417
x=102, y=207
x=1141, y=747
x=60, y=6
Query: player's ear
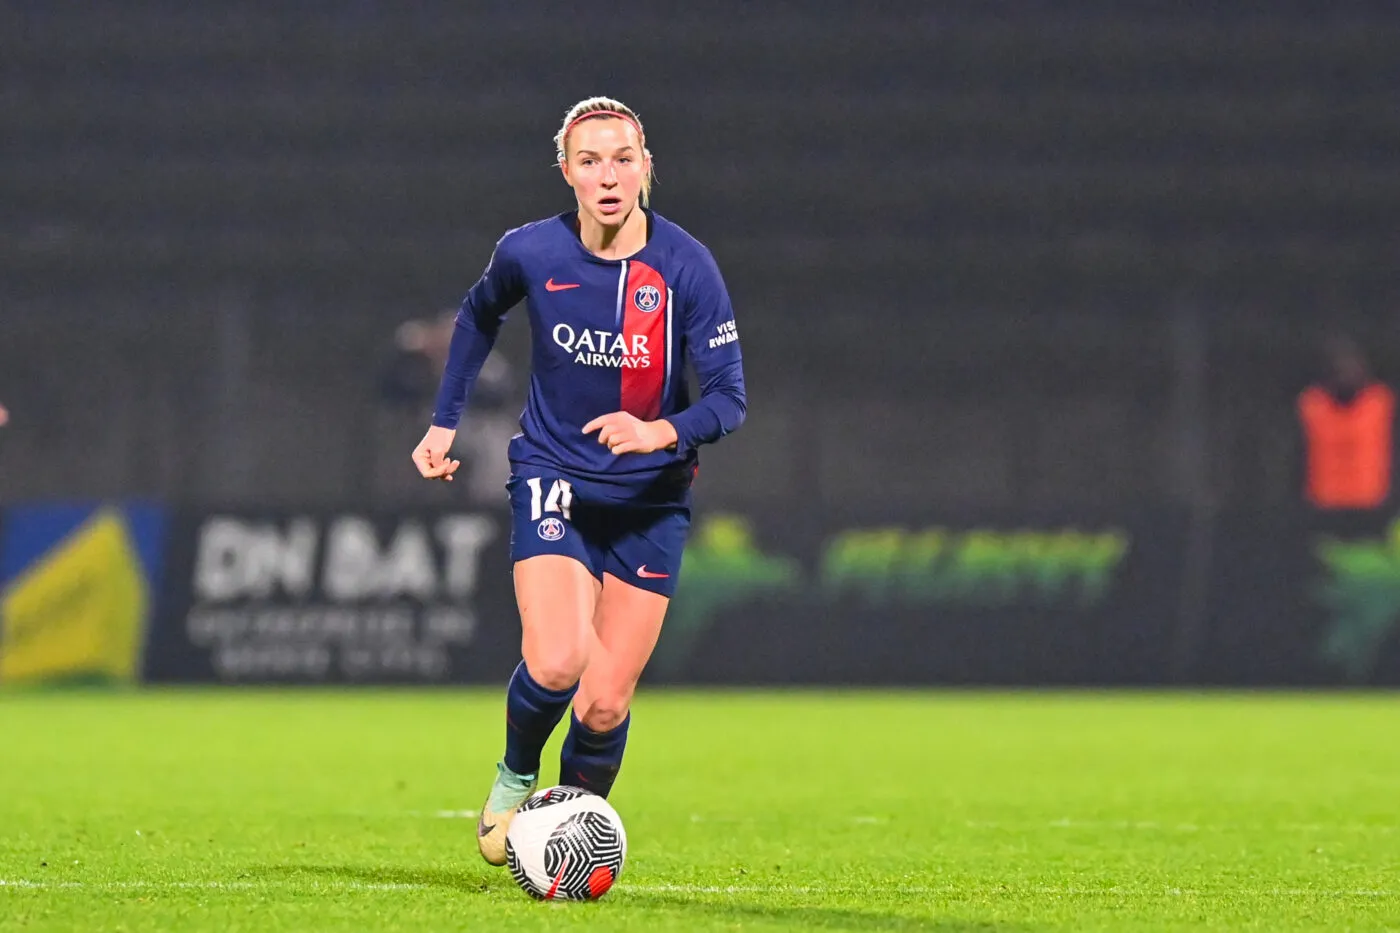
x=564, y=170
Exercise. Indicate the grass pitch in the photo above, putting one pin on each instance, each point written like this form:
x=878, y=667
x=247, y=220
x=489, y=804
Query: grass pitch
x=303, y=810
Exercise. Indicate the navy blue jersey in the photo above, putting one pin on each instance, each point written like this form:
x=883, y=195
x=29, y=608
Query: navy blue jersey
x=607, y=335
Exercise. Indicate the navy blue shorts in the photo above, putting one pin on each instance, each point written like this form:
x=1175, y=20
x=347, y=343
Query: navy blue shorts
x=639, y=544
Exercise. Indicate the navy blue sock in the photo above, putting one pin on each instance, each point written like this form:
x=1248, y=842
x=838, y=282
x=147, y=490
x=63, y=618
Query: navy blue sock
x=591, y=759
x=532, y=712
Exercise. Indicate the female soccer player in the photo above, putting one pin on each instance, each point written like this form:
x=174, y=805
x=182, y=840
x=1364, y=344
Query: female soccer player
x=618, y=298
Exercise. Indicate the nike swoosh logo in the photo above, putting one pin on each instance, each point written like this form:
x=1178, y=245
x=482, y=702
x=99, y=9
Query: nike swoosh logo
x=554, y=888
x=646, y=574
x=550, y=286
x=483, y=828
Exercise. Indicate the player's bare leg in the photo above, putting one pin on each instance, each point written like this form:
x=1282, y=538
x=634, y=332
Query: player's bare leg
x=626, y=626
x=557, y=597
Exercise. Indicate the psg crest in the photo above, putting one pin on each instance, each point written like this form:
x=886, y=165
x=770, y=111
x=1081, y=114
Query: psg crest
x=647, y=298
x=551, y=529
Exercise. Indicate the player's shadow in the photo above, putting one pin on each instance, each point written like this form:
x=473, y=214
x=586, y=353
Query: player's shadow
x=718, y=907
x=801, y=917
x=467, y=882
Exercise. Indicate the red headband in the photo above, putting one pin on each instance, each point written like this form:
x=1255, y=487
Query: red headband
x=602, y=113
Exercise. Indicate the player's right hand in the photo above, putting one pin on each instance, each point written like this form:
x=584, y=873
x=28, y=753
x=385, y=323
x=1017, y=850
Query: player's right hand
x=430, y=456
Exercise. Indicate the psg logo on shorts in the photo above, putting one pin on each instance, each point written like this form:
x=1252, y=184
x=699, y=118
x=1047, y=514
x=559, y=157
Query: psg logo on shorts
x=551, y=529
x=647, y=298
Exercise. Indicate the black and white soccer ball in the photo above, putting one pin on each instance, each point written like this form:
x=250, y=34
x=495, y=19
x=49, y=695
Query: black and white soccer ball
x=565, y=843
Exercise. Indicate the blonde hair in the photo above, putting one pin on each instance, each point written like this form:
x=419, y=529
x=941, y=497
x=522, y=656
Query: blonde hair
x=605, y=105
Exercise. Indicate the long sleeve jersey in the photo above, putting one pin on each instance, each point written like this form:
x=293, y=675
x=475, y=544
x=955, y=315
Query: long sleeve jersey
x=607, y=335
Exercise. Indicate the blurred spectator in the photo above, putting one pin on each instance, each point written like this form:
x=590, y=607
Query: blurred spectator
x=409, y=381
x=1347, y=419
x=4, y=416
x=490, y=422
x=410, y=378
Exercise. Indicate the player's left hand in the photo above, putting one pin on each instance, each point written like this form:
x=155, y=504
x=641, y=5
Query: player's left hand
x=627, y=434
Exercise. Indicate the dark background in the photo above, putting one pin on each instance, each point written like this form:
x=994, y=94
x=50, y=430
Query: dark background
x=992, y=259
x=1012, y=254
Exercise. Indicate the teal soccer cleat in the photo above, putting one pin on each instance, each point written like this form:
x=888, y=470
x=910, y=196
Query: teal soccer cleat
x=508, y=792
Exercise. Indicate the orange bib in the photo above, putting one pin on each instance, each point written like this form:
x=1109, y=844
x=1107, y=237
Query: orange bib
x=1348, y=447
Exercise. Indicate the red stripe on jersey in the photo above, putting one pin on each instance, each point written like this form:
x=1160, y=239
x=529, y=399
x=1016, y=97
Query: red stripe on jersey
x=644, y=330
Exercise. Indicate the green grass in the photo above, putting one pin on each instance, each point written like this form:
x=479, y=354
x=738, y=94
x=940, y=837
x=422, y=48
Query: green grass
x=274, y=811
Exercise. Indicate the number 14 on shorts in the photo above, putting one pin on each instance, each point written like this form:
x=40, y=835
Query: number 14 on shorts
x=559, y=498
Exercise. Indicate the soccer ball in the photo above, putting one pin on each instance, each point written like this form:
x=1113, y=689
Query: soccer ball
x=566, y=843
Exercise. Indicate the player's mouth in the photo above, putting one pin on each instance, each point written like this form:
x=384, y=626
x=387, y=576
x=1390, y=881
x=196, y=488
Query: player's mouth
x=609, y=205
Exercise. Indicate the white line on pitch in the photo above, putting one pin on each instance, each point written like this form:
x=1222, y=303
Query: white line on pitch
x=1066, y=823
x=687, y=888
x=209, y=885
x=968, y=889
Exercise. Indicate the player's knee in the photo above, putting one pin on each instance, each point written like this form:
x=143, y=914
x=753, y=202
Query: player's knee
x=605, y=713
x=557, y=670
